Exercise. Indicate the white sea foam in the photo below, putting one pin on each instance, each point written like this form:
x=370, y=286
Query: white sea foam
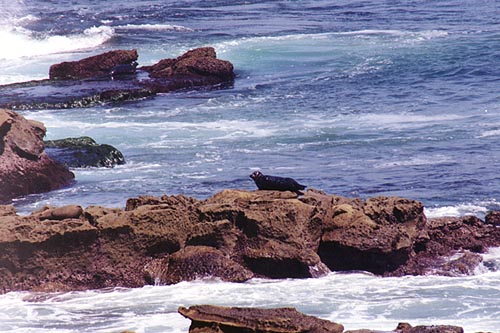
x=23, y=44
x=485, y=134
x=416, y=161
x=405, y=120
x=457, y=210
x=154, y=27
x=401, y=35
x=356, y=300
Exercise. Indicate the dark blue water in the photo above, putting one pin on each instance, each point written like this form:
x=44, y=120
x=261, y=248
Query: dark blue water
x=359, y=98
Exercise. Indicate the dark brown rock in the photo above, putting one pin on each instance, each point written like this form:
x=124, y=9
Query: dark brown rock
x=444, y=237
x=407, y=328
x=25, y=168
x=92, y=67
x=208, y=319
x=435, y=329
x=200, y=62
x=493, y=217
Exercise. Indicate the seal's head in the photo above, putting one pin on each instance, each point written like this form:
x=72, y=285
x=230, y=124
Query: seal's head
x=256, y=175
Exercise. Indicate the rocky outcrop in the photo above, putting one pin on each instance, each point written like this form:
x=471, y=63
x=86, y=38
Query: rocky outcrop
x=91, y=81
x=92, y=67
x=375, y=235
x=25, y=168
x=449, y=246
x=201, y=62
x=83, y=152
x=233, y=235
x=218, y=319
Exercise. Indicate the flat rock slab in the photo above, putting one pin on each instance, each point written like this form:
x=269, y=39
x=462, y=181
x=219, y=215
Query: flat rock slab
x=209, y=318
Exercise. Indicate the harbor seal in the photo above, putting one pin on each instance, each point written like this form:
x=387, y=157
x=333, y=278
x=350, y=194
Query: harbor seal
x=275, y=183
x=123, y=69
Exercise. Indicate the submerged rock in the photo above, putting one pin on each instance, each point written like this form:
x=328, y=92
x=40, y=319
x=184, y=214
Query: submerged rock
x=218, y=319
x=83, y=152
x=25, y=168
x=113, y=77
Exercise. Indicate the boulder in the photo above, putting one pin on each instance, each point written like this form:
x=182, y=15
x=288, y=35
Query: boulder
x=92, y=67
x=83, y=152
x=201, y=62
x=25, y=168
x=218, y=319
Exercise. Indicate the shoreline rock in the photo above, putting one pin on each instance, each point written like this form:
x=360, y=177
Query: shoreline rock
x=25, y=167
x=83, y=152
x=91, y=81
x=96, y=66
x=234, y=235
x=221, y=319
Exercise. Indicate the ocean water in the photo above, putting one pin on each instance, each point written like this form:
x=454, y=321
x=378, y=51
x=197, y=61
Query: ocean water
x=356, y=98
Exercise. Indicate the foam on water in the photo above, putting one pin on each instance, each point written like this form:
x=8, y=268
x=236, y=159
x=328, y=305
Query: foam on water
x=479, y=209
x=356, y=300
x=154, y=27
x=23, y=44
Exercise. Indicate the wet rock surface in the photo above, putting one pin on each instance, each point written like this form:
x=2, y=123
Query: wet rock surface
x=234, y=235
x=83, y=152
x=25, y=168
x=113, y=77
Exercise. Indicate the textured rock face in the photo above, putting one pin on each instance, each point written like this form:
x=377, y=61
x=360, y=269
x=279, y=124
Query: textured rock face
x=376, y=235
x=92, y=67
x=493, y=218
x=234, y=235
x=83, y=152
x=218, y=319
x=201, y=62
x=25, y=168
x=447, y=236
